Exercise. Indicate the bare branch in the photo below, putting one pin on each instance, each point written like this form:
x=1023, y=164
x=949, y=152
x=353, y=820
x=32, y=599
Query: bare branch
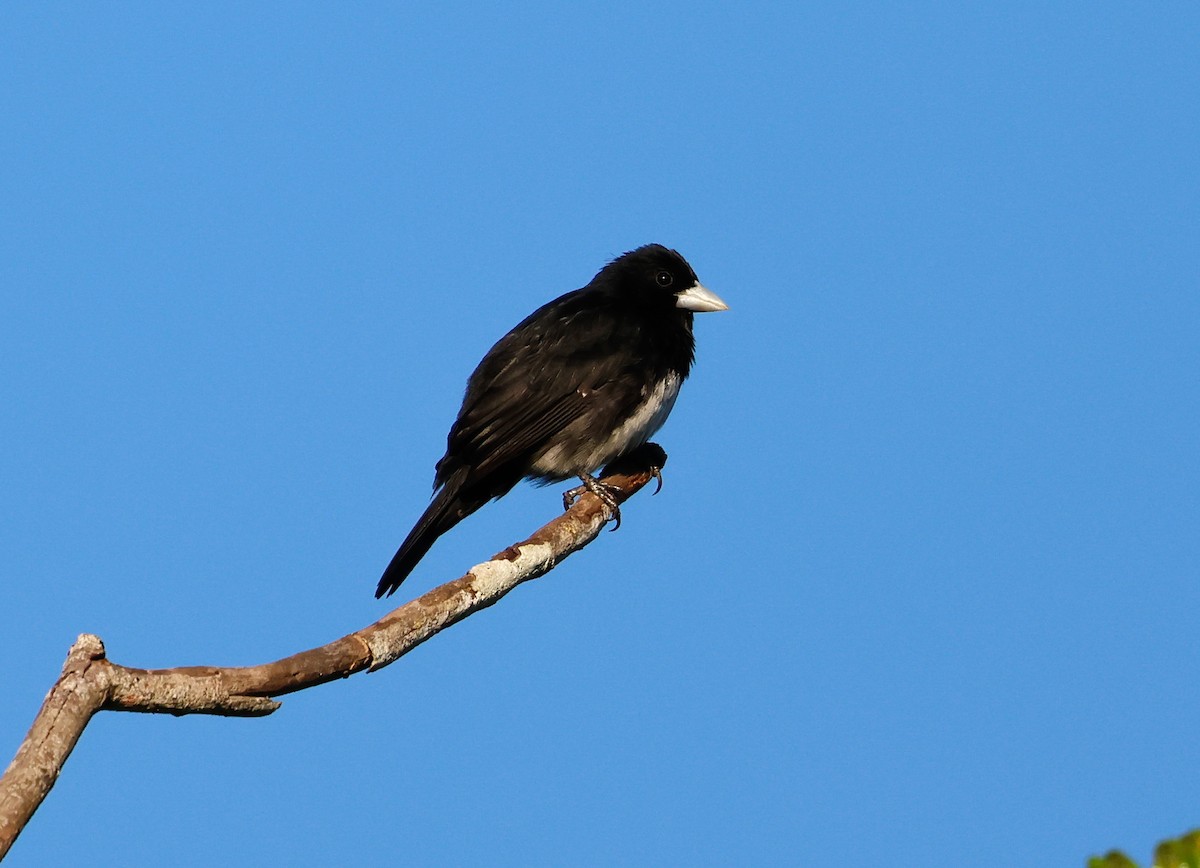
x=90, y=682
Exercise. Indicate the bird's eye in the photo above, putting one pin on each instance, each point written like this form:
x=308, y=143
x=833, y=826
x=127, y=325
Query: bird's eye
x=664, y=278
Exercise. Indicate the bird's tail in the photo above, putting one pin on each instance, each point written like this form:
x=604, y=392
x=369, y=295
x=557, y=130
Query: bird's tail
x=448, y=508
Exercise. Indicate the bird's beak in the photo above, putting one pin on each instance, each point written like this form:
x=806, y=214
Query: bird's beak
x=700, y=299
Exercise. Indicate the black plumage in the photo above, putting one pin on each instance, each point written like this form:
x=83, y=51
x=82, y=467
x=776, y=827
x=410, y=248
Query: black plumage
x=579, y=382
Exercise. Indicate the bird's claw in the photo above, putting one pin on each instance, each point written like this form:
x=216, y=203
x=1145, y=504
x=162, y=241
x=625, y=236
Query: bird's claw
x=656, y=472
x=605, y=492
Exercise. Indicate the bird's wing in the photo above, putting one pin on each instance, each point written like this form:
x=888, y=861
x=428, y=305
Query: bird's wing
x=513, y=420
x=516, y=436
x=533, y=384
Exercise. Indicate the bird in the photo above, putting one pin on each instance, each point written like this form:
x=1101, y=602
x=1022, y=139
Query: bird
x=579, y=382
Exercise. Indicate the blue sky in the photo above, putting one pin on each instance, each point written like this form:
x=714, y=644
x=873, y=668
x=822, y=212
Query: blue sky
x=922, y=580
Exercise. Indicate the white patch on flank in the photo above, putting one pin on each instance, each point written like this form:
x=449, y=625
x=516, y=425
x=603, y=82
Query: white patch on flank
x=647, y=418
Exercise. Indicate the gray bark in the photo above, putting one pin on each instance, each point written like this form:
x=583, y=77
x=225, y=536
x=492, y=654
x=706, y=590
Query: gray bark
x=90, y=682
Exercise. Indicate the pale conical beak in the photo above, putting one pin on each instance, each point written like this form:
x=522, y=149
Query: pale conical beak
x=700, y=299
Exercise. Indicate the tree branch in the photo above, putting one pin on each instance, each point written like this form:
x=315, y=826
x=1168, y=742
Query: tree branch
x=90, y=682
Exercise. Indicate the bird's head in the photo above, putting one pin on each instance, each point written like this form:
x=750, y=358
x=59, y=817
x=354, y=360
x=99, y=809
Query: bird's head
x=659, y=276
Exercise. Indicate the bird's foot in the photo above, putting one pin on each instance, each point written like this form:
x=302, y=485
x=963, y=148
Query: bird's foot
x=606, y=493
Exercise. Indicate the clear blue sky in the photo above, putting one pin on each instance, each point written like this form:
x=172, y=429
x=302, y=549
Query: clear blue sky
x=921, y=585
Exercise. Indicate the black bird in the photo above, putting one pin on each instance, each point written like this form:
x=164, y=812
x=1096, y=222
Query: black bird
x=579, y=382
